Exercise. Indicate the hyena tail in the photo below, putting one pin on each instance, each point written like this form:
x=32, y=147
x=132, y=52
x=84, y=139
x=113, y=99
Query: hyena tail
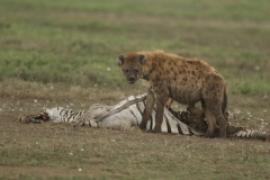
x=244, y=133
x=225, y=102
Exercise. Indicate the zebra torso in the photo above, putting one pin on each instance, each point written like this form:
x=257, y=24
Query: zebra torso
x=124, y=115
x=128, y=113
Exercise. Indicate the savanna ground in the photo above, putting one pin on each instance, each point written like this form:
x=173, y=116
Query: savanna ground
x=64, y=53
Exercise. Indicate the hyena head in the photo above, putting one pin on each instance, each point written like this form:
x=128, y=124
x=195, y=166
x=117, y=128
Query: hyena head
x=132, y=66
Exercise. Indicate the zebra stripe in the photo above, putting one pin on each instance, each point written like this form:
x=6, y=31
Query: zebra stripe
x=130, y=111
x=132, y=107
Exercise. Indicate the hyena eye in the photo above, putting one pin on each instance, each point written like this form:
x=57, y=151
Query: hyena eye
x=126, y=70
x=136, y=70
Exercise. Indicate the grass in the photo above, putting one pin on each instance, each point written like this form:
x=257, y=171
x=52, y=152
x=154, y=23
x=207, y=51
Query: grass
x=64, y=53
x=78, y=42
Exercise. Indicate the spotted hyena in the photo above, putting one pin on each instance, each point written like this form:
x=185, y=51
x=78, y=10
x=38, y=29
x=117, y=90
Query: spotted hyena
x=184, y=80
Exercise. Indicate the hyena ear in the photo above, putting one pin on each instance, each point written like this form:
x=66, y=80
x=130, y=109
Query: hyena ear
x=142, y=59
x=120, y=60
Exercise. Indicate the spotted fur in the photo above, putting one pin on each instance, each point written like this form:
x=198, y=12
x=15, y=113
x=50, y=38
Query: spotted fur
x=184, y=80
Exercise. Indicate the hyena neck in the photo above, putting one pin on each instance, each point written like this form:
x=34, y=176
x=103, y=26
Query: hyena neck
x=148, y=73
x=146, y=77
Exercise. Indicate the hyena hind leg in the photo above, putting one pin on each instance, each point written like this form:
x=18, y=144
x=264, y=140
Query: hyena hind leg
x=216, y=120
x=222, y=125
x=211, y=123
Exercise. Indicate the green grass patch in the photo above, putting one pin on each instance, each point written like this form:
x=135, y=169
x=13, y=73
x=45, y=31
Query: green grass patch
x=78, y=42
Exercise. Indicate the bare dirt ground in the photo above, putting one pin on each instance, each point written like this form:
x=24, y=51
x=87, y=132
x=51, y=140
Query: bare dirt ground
x=33, y=151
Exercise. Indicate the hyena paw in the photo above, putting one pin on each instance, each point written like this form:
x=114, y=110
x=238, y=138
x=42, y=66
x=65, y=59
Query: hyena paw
x=142, y=126
x=157, y=129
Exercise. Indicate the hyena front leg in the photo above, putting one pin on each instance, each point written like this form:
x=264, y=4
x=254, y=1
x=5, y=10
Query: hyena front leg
x=160, y=104
x=149, y=106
